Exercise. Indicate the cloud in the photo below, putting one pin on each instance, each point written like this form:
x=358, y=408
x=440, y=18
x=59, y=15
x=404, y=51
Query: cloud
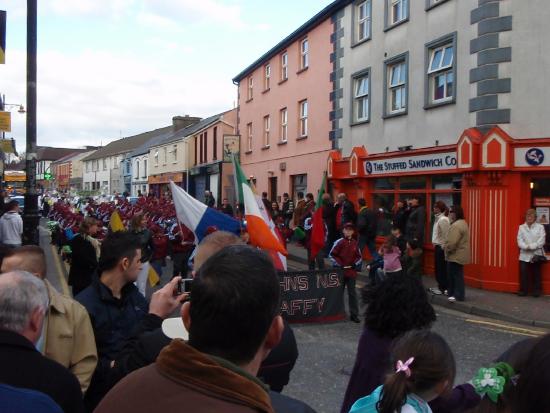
x=112, y=8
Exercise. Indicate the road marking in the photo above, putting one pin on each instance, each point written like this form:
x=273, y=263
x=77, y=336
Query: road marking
x=60, y=272
x=525, y=331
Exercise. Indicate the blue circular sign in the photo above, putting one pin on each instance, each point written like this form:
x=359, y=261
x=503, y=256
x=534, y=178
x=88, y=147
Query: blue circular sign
x=368, y=167
x=534, y=157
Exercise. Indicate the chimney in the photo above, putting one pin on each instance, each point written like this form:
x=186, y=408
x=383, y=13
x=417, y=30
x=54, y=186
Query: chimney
x=181, y=122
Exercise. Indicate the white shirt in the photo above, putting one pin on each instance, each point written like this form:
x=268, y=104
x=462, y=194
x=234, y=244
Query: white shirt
x=530, y=241
x=441, y=229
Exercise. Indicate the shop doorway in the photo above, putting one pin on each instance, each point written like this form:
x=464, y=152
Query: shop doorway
x=540, y=202
x=273, y=189
x=299, y=184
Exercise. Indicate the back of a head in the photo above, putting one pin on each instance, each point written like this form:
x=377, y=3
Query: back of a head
x=421, y=360
x=534, y=380
x=235, y=297
x=21, y=293
x=117, y=245
x=361, y=202
x=397, y=305
x=213, y=243
x=30, y=258
x=12, y=205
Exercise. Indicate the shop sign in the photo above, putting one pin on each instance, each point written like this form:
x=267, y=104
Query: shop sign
x=543, y=201
x=165, y=178
x=231, y=144
x=532, y=157
x=416, y=163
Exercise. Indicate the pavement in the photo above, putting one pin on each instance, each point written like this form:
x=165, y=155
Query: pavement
x=507, y=307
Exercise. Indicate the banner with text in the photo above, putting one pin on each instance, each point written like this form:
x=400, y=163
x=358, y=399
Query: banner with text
x=415, y=163
x=312, y=296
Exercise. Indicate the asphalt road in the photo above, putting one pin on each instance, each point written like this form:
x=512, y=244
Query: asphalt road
x=327, y=351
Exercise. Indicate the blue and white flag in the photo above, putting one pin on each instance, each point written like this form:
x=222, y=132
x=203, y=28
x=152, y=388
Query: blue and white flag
x=198, y=217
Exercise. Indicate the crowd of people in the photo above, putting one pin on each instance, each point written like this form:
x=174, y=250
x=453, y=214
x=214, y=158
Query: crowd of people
x=224, y=346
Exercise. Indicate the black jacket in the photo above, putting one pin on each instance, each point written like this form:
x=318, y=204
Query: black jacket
x=113, y=321
x=146, y=242
x=367, y=223
x=285, y=404
x=415, y=223
x=83, y=263
x=348, y=213
x=23, y=366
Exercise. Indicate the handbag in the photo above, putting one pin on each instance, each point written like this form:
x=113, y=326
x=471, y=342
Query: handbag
x=539, y=259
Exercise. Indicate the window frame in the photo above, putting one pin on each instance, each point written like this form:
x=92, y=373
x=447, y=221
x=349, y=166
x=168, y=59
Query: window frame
x=354, y=78
x=388, y=14
x=430, y=4
x=304, y=54
x=267, y=77
x=267, y=127
x=249, y=88
x=284, y=125
x=144, y=169
x=402, y=58
x=175, y=153
x=249, y=132
x=356, y=22
x=284, y=66
x=303, y=118
x=429, y=51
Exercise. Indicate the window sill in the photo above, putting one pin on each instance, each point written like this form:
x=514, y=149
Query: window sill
x=395, y=114
x=282, y=81
x=434, y=105
x=265, y=147
x=282, y=143
x=249, y=100
x=266, y=90
x=248, y=152
x=434, y=5
x=359, y=122
x=301, y=138
x=360, y=42
x=394, y=25
x=302, y=70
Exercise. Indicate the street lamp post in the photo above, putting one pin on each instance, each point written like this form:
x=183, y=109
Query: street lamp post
x=31, y=217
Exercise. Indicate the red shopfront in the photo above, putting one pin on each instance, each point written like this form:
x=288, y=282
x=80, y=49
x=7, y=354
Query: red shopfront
x=494, y=177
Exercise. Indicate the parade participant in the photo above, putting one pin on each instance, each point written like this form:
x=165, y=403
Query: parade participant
x=227, y=209
x=531, y=239
x=287, y=209
x=299, y=209
x=85, y=250
x=24, y=301
x=266, y=202
x=345, y=211
x=160, y=249
x=384, y=321
x=320, y=258
x=275, y=211
x=182, y=246
x=423, y=369
x=457, y=253
x=439, y=239
x=209, y=199
x=11, y=226
x=228, y=338
x=329, y=218
x=67, y=336
x=345, y=254
x=114, y=304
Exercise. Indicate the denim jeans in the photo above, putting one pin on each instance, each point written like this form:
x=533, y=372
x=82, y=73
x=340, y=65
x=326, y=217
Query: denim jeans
x=530, y=272
x=455, y=274
x=440, y=268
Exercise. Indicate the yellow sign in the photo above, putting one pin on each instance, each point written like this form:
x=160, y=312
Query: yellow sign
x=5, y=121
x=7, y=146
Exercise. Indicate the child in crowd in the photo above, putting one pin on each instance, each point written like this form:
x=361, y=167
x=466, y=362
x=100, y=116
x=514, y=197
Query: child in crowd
x=424, y=369
x=401, y=242
x=345, y=254
x=414, y=258
x=392, y=256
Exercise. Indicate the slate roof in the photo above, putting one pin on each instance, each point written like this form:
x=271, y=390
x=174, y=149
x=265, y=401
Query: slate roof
x=48, y=153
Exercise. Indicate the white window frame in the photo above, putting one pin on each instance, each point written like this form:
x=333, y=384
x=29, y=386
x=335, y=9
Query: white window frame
x=104, y=164
x=175, y=153
x=304, y=109
x=137, y=170
x=249, y=137
x=267, y=127
x=144, y=169
x=441, y=69
x=165, y=152
x=267, y=76
x=284, y=66
x=394, y=19
x=397, y=87
x=365, y=21
x=361, y=95
x=283, y=116
x=156, y=157
x=250, y=93
x=304, y=53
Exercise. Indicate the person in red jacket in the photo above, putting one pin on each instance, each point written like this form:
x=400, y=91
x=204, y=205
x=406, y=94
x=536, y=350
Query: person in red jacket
x=345, y=254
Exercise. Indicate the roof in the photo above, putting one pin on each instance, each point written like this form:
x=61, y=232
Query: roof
x=295, y=35
x=127, y=144
x=75, y=156
x=48, y=153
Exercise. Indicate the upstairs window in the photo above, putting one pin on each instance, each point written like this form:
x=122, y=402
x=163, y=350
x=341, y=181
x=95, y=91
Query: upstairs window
x=303, y=118
x=284, y=124
x=363, y=24
x=144, y=175
x=267, y=126
x=397, y=11
x=249, y=137
x=250, y=88
x=441, y=73
x=267, y=76
x=304, y=53
x=361, y=97
x=175, y=153
x=284, y=66
x=398, y=87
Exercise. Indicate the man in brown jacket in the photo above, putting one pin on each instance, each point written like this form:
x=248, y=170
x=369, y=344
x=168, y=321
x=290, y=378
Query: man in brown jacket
x=233, y=324
x=68, y=337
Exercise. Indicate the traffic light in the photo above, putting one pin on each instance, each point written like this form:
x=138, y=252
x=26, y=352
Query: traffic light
x=47, y=176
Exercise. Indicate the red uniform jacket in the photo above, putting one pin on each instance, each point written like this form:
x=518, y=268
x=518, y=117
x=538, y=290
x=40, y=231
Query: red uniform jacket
x=345, y=253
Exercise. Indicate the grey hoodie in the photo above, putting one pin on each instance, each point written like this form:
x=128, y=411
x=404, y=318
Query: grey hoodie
x=11, y=228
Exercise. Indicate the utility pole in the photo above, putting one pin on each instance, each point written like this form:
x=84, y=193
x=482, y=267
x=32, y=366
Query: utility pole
x=31, y=218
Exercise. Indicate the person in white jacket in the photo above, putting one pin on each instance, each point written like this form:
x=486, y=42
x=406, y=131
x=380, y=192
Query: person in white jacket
x=11, y=226
x=531, y=239
x=439, y=239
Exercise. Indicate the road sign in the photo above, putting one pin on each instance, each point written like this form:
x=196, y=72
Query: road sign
x=47, y=176
x=5, y=122
x=2, y=37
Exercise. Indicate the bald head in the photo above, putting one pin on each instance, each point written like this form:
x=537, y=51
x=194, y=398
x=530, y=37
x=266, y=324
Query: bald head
x=30, y=258
x=213, y=243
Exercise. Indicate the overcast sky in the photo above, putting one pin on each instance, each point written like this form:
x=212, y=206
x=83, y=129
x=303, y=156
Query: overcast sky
x=112, y=68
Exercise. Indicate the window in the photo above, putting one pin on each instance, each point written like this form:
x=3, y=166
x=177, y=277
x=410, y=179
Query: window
x=249, y=137
x=205, y=159
x=175, y=153
x=267, y=76
x=396, y=80
x=157, y=157
x=267, y=124
x=215, y=144
x=440, y=71
x=399, y=11
x=165, y=152
x=104, y=164
x=303, y=118
x=361, y=86
x=87, y=166
x=115, y=162
x=304, y=53
x=144, y=175
x=284, y=124
x=284, y=66
x=128, y=162
x=363, y=23
x=195, y=144
x=250, y=88
x=430, y=4
x=137, y=170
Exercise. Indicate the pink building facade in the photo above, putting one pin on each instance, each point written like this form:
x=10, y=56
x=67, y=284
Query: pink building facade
x=284, y=111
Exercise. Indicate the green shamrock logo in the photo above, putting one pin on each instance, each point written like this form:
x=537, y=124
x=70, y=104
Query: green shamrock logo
x=488, y=382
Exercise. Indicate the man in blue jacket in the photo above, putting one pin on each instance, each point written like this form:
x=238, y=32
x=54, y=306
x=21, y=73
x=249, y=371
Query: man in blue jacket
x=114, y=304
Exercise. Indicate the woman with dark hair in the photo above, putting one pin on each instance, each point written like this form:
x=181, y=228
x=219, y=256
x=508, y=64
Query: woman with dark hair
x=396, y=305
x=84, y=255
x=439, y=238
x=457, y=253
